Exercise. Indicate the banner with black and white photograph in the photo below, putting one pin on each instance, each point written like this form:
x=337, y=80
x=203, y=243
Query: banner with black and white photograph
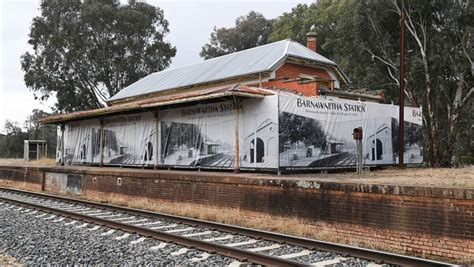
x=317, y=132
x=130, y=140
x=284, y=130
x=202, y=135
x=259, y=133
x=81, y=142
x=413, y=135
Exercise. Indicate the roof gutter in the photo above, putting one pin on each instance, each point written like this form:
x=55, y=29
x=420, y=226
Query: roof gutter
x=200, y=98
x=351, y=95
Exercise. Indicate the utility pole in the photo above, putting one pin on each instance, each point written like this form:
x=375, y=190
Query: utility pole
x=401, y=115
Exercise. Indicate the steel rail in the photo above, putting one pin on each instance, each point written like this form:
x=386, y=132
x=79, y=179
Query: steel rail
x=213, y=248
x=346, y=250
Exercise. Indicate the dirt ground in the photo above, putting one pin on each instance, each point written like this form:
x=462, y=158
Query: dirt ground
x=440, y=177
x=419, y=176
x=6, y=260
x=21, y=162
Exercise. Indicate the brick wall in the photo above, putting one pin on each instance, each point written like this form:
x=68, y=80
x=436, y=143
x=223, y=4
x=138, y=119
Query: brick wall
x=292, y=71
x=22, y=177
x=421, y=220
x=285, y=75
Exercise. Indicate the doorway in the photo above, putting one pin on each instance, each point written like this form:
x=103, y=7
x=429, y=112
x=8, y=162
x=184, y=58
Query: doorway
x=377, y=149
x=260, y=151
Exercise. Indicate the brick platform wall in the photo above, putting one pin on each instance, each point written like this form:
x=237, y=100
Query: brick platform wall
x=20, y=177
x=424, y=221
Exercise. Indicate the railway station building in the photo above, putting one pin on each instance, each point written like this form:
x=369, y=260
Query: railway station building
x=276, y=106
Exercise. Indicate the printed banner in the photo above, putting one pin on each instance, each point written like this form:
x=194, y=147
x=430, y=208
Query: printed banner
x=130, y=140
x=198, y=136
x=285, y=130
x=259, y=133
x=81, y=142
x=317, y=133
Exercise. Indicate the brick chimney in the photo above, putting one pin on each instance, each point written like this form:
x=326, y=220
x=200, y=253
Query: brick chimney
x=311, y=41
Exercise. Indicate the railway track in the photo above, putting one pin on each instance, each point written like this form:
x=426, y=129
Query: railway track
x=245, y=245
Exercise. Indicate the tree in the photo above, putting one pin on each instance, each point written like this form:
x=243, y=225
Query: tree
x=291, y=25
x=250, y=31
x=38, y=131
x=11, y=144
x=87, y=51
x=441, y=69
x=339, y=27
x=363, y=37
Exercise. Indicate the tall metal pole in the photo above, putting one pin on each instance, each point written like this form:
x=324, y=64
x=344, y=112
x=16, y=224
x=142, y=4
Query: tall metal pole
x=402, y=92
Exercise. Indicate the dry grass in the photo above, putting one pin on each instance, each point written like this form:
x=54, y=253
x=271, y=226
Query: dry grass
x=21, y=162
x=218, y=214
x=440, y=177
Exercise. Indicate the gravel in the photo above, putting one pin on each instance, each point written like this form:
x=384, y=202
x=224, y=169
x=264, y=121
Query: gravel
x=353, y=262
x=316, y=256
x=259, y=244
x=234, y=239
x=35, y=241
x=283, y=250
x=211, y=235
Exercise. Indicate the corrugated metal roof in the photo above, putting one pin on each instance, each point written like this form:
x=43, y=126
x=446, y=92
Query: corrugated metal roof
x=255, y=60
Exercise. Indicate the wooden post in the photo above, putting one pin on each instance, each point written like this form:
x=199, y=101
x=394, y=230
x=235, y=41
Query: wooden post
x=101, y=142
x=156, y=114
x=45, y=150
x=237, y=135
x=62, y=143
x=37, y=151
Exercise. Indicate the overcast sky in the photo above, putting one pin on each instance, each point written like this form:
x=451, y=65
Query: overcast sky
x=191, y=23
